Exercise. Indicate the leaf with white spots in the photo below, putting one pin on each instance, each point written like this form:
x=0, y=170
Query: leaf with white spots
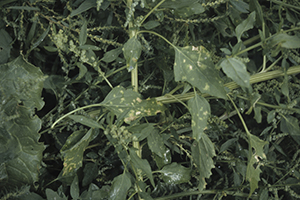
x=128, y=104
x=194, y=65
x=175, y=173
x=200, y=111
x=132, y=51
x=72, y=151
x=237, y=71
x=202, y=153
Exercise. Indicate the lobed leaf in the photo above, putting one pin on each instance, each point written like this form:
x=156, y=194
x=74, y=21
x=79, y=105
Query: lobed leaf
x=202, y=152
x=194, y=65
x=21, y=85
x=253, y=172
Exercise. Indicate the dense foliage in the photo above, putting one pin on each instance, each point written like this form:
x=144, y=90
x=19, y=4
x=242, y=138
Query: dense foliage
x=149, y=99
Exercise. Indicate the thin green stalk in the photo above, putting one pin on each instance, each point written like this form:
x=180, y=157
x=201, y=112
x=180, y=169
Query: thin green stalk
x=153, y=9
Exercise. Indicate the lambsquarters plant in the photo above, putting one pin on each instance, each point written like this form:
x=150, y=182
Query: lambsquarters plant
x=149, y=99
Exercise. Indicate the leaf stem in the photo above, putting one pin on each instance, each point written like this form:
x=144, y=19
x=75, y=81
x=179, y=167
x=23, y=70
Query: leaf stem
x=73, y=111
x=153, y=9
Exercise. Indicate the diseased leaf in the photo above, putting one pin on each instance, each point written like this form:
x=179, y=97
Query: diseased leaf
x=141, y=131
x=141, y=164
x=253, y=166
x=200, y=111
x=21, y=152
x=86, y=5
x=163, y=161
x=246, y=25
x=156, y=143
x=85, y=121
x=119, y=188
x=132, y=51
x=112, y=55
x=202, y=152
x=72, y=151
x=237, y=71
x=175, y=173
x=194, y=65
x=129, y=105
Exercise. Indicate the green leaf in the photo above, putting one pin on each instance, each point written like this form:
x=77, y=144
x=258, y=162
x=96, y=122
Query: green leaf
x=253, y=166
x=192, y=9
x=86, y=5
x=175, y=174
x=156, y=143
x=85, y=121
x=28, y=8
x=151, y=24
x=72, y=151
x=119, y=188
x=289, y=124
x=141, y=164
x=90, y=172
x=257, y=114
x=200, y=111
x=240, y=6
x=51, y=195
x=129, y=105
x=237, y=71
x=202, y=152
x=141, y=131
x=74, y=189
x=112, y=55
x=176, y=4
x=20, y=150
x=83, y=33
x=89, y=47
x=286, y=41
x=227, y=144
x=132, y=51
x=82, y=70
x=246, y=25
x=40, y=39
x=194, y=65
x=5, y=45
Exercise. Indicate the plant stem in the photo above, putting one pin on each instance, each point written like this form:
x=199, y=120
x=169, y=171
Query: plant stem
x=256, y=78
x=134, y=74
